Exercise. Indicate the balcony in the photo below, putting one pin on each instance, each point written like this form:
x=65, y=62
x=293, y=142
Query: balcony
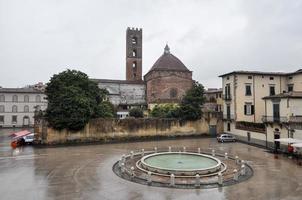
x=295, y=119
x=274, y=119
x=228, y=117
x=227, y=97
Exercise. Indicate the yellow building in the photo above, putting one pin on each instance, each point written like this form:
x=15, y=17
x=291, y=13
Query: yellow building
x=246, y=96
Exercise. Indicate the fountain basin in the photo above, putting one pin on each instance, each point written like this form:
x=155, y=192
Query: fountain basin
x=181, y=163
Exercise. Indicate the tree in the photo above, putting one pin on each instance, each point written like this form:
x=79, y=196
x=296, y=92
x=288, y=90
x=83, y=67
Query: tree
x=136, y=112
x=165, y=111
x=190, y=107
x=73, y=99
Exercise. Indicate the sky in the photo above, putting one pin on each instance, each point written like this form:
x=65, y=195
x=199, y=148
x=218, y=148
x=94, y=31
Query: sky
x=39, y=38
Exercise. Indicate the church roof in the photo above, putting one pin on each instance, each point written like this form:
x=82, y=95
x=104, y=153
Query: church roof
x=168, y=62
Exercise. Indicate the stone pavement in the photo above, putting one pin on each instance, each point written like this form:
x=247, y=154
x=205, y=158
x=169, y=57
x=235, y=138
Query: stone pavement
x=85, y=172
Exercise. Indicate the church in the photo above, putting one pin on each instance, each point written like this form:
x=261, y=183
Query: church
x=166, y=81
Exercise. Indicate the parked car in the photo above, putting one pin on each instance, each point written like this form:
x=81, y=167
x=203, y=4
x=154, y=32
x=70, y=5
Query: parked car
x=226, y=138
x=28, y=139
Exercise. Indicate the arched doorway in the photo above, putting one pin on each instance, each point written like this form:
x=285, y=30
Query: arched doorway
x=26, y=121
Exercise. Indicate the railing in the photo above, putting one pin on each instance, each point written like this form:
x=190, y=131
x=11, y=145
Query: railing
x=271, y=119
x=295, y=119
x=227, y=97
x=250, y=126
x=228, y=116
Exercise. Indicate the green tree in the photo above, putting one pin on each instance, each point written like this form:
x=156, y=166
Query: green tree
x=136, y=112
x=73, y=99
x=165, y=111
x=190, y=107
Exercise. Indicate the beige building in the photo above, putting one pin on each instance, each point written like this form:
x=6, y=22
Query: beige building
x=247, y=95
x=213, y=100
x=18, y=105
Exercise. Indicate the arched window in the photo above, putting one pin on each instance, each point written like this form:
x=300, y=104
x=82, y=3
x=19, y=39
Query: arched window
x=2, y=98
x=38, y=98
x=134, y=64
x=134, y=53
x=173, y=93
x=15, y=98
x=26, y=109
x=14, y=109
x=134, y=40
x=26, y=98
x=37, y=108
x=2, y=109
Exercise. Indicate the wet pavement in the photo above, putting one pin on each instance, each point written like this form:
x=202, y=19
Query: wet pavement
x=85, y=172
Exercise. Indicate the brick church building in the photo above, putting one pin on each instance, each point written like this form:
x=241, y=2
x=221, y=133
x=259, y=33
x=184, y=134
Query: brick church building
x=166, y=82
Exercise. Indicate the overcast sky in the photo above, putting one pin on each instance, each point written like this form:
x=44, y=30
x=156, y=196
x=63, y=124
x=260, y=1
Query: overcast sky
x=41, y=37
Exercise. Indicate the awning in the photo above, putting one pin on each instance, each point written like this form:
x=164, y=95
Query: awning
x=297, y=145
x=20, y=134
x=288, y=140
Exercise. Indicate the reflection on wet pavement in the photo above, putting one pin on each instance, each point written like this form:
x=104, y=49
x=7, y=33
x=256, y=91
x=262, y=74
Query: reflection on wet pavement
x=85, y=172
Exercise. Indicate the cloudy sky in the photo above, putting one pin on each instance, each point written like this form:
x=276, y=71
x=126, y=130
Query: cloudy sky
x=41, y=37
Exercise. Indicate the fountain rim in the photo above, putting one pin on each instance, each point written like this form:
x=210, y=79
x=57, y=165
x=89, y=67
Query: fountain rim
x=219, y=163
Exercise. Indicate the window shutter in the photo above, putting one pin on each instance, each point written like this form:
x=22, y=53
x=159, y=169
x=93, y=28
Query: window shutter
x=252, y=109
x=245, y=109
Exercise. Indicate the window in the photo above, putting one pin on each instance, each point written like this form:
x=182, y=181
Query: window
x=227, y=91
x=2, y=109
x=228, y=127
x=26, y=109
x=173, y=93
x=248, y=91
x=14, y=109
x=271, y=78
x=38, y=98
x=272, y=90
x=26, y=98
x=134, y=53
x=134, y=65
x=1, y=119
x=248, y=109
x=37, y=108
x=290, y=77
x=2, y=98
x=14, y=119
x=250, y=77
x=228, y=78
x=290, y=88
x=134, y=40
x=15, y=98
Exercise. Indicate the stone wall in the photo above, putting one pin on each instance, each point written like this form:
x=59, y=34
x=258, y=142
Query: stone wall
x=106, y=130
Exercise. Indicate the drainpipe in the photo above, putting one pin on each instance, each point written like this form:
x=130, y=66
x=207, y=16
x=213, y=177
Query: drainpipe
x=254, y=98
x=266, y=145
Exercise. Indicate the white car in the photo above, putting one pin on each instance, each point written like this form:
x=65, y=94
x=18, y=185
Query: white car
x=226, y=138
x=29, y=138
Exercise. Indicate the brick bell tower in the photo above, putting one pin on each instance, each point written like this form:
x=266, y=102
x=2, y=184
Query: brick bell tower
x=134, y=39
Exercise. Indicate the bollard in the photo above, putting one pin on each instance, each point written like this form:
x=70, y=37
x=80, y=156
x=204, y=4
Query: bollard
x=131, y=154
x=220, y=179
x=237, y=160
x=197, y=180
x=242, y=161
x=149, y=178
x=213, y=152
x=172, y=180
x=226, y=156
x=184, y=148
x=123, y=167
x=236, y=175
x=198, y=150
x=155, y=149
x=243, y=171
x=143, y=152
x=123, y=158
x=132, y=171
x=170, y=149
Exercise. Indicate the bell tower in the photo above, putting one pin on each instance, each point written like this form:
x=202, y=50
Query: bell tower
x=134, y=39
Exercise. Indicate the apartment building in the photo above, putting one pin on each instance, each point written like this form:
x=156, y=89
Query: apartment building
x=213, y=100
x=250, y=100
x=18, y=105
